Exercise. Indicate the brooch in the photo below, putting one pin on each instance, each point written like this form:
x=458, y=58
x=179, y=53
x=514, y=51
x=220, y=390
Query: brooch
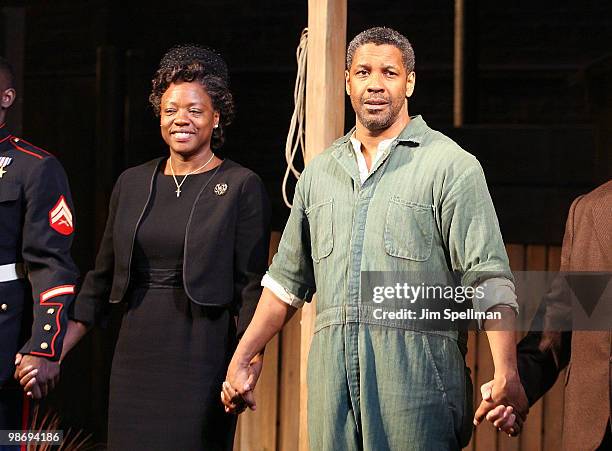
x=220, y=189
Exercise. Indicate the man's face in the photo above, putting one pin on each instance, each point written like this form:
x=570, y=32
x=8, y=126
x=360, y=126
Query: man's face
x=378, y=84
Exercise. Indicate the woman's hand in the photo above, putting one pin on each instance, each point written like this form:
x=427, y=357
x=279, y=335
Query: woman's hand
x=504, y=404
x=243, y=372
x=237, y=392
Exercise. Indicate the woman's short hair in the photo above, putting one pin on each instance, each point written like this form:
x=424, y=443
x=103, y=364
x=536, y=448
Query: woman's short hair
x=189, y=63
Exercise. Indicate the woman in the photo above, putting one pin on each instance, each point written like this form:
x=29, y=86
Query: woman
x=185, y=245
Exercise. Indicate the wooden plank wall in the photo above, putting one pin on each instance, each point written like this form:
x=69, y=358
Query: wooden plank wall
x=274, y=426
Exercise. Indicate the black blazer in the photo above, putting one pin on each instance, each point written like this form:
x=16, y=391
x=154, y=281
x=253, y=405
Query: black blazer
x=226, y=242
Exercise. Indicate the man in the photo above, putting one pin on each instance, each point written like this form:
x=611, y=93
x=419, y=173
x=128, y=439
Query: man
x=37, y=274
x=392, y=195
x=542, y=355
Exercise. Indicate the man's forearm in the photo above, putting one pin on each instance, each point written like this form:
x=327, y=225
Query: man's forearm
x=270, y=317
x=502, y=340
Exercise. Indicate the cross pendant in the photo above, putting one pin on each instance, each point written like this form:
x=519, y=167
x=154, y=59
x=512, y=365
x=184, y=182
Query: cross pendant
x=2, y=171
x=178, y=192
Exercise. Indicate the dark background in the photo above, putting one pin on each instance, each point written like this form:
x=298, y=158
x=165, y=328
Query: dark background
x=538, y=109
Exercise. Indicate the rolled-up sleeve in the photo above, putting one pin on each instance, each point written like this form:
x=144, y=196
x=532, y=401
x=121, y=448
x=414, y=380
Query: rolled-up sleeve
x=497, y=291
x=474, y=240
x=281, y=292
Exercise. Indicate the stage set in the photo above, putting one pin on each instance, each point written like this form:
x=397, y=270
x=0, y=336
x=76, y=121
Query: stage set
x=525, y=87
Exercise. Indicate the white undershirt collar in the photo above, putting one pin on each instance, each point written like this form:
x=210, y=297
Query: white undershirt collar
x=361, y=162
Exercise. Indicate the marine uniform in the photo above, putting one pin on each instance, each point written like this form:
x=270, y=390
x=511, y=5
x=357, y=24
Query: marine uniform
x=37, y=275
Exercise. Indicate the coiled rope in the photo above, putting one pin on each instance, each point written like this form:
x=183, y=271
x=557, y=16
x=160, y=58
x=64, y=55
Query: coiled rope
x=296, y=135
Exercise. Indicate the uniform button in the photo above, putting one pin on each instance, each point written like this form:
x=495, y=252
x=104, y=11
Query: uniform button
x=4, y=307
x=47, y=327
x=51, y=311
x=44, y=345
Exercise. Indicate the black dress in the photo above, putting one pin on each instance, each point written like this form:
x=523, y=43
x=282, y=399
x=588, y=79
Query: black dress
x=165, y=387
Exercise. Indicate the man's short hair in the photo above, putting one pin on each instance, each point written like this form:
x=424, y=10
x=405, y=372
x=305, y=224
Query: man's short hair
x=7, y=72
x=382, y=36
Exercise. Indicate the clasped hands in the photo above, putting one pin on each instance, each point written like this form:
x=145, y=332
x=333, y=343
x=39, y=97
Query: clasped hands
x=37, y=375
x=239, y=385
x=504, y=404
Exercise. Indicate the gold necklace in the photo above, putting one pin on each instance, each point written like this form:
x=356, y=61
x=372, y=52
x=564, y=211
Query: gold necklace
x=178, y=185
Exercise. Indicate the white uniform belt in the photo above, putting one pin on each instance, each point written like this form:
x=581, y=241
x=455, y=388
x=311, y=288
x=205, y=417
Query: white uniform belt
x=12, y=271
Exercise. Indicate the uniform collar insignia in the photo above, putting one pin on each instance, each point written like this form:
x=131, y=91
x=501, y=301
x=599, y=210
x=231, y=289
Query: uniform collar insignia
x=4, y=162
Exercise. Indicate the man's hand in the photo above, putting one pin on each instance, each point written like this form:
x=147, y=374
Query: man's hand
x=37, y=375
x=504, y=404
x=237, y=391
x=243, y=372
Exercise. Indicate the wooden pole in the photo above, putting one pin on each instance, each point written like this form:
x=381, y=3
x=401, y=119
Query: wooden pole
x=325, y=74
x=324, y=123
x=458, y=65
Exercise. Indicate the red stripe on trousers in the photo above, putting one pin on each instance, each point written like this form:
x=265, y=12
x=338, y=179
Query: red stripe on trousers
x=25, y=419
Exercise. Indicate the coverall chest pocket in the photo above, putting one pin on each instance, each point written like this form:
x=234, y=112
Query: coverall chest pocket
x=320, y=220
x=409, y=229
